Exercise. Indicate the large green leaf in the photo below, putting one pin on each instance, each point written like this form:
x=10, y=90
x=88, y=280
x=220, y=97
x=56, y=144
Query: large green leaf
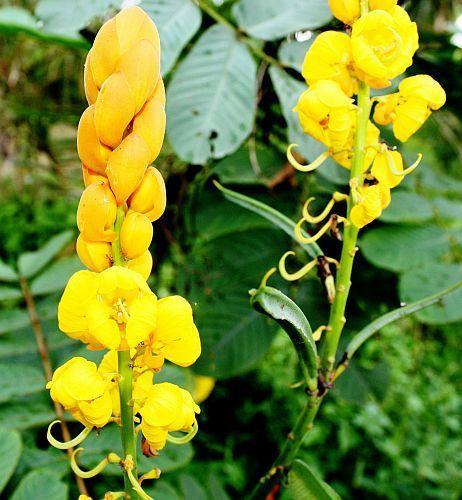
x=41, y=485
x=427, y=280
x=30, y=263
x=10, y=451
x=304, y=484
x=54, y=278
x=288, y=90
x=7, y=273
x=177, y=22
x=399, y=248
x=407, y=207
x=19, y=380
x=212, y=97
x=271, y=19
x=292, y=52
x=9, y=293
x=32, y=411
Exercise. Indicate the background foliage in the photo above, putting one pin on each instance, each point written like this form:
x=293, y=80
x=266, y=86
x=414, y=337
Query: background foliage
x=392, y=427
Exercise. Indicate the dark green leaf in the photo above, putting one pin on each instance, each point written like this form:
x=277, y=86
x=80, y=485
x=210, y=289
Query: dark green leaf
x=10, y=451
x=41, y=485
x=9, y=293
x=304, y=484
x=55, y=278
x=211, y=98
x=7, y=273
x=33, y=411
x=19, y=380
x=407, y=207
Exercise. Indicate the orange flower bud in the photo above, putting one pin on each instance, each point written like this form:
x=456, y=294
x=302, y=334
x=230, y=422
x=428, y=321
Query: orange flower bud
x=105, y=52
x=150, y=125
x=158, y=92
x=114, y=109
x=150, y=196
x=96, y=255
x=89, y=176
x=92, y=153
x=142, y=264
x=135, y=235
x=134, y=24
x=91, y=90
x=126, y=166
x=96, y=213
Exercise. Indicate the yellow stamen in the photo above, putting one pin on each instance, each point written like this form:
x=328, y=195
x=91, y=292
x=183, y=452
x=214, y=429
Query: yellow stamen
x=66, y=444
x=299, y=274
x=305, y=168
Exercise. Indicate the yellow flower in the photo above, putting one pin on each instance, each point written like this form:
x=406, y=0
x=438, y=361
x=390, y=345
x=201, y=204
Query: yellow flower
x=142, y=264
x=323, y=113
x=168, y=408
x=96, y=213
x=372, y=201
x=345, y=10
x=96, y=255
x=203, y=387
x=409, y=108
x=90, y=176
x=383, y=45
x=382, y=4
x=330, y=58
x=135, y=235
x=113, y=309
x=82, y=391
x=149, y=197
x=176, y=337
x=387, y=167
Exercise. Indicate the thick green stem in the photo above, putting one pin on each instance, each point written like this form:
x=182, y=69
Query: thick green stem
x=294, y=440
x=127, y=430
x=343, y=281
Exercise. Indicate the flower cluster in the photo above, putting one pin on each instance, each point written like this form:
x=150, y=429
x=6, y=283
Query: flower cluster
x=110, y=306
x=377, y=46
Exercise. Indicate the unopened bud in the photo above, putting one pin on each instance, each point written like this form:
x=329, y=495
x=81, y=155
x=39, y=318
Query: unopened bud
x=345, y=10
x=90, y=176
x=150, y=196
x=96, y=255
x=150, y=125
x=142, y=264
x=135, y=235
x=96, y=213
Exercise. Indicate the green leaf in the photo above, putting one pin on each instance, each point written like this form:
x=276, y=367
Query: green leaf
x=177, y=22
x=9, y=293
x=408, y=208
x=304, y=484
x=31, y=263
x=292, y=53
x=399, y=248
x=33, y=411
x=41, y=485
x=191, y=488
x=13, y=319
x=212, y=97
x=427, y=280
x=288, y=91
x=19, y=380
x=10, y=451
x=274, y=304
x=7, y=273
x=269, y=213
x=269, y=19
x=55, y=278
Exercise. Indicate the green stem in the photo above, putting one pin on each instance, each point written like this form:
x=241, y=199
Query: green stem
x=294, y=440
x=127, y=430
x=117, y=255
x=343, y=281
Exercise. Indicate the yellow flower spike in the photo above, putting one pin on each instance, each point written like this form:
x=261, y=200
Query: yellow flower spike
x=93, y=153
x=67, y=444
x=186, y=438
x=105, y=52
x=142, y=265
x=347, y=11
x=152, y=474
x=135, y=235
x=114, y=110
x=305, y=168
x=383, y=44
x=96, y=255
x=319, y=234
x=158, y=92
x=150, y=196
x=336, y=197
x=90, y=176
x=91, y=89
x=112, y=458
x=134, y=24
x=153, y=112
x=382, y=4
x=372, y=201
x=96, y=213
x=126, y=166
x=300, y=273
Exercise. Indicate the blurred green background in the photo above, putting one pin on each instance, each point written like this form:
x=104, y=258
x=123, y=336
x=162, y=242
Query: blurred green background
x=392, y=426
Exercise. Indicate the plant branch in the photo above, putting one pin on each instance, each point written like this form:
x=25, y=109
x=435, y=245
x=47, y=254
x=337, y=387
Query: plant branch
x=47, y=368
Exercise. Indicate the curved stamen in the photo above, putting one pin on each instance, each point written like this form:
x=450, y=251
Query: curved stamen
x=336, y=197
x=112, y=458
x=267, y=276
x=66, y=444
x=128, y=466
x=297, y=275
x=186, y=438
x=321, y=232
x=305, y=168
x=406, y=171
x=152, y=474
